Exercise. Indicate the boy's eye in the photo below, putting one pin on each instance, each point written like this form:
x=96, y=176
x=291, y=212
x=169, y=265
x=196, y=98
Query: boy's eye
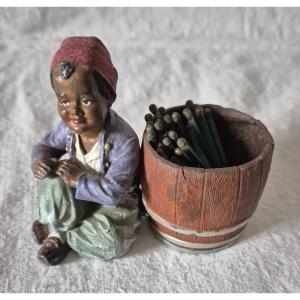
x=86, y=102
x=64, y=102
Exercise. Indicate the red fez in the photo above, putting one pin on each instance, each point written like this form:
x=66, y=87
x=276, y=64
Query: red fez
x=89, y=51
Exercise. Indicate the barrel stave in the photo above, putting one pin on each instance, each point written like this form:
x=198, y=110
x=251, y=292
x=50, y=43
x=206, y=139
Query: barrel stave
x=189, y=198
x=249, y=187
x=220, y=194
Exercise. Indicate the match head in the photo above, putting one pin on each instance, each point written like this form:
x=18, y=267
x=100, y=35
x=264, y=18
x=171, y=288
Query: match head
x=187, y=114
x=159, y=125
x=175, y=116
x=149, y=117
x=181, y=142
x=173, y=135
x=189, y=104
x=178, y=151
x=153, y=108
x=167, y=118
x=167, y=141
x=162, y=110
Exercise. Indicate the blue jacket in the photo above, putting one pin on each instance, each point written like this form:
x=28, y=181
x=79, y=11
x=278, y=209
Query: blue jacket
x=123, y=158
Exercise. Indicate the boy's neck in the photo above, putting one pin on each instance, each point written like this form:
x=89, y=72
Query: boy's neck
x=90, y=135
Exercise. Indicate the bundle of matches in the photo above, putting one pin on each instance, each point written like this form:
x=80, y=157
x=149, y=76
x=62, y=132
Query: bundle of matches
x=188, y=137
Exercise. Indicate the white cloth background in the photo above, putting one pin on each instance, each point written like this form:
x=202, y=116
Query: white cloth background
x=247, y=59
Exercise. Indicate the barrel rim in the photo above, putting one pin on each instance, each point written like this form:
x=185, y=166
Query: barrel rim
x=269, y=145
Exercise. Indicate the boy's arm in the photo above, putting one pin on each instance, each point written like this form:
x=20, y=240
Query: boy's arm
x=46, y=153
x=52, y=145
x=118, y=180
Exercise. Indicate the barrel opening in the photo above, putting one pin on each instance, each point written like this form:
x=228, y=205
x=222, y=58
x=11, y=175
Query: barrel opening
x=242, y=140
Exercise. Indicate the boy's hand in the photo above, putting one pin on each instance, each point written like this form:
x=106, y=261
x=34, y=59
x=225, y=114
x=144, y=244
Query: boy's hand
x=70, y=171
x=42, y=168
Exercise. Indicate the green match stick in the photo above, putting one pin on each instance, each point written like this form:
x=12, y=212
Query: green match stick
x=196, y=137
x=193, y=156
x=159, y=125
x=176, y=159
x=163, y=150
x=178, y=122
x=162, y=153
x=215, y=135
x=201, y=121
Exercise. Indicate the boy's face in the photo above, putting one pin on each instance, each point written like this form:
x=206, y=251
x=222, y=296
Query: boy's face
x=80, y=105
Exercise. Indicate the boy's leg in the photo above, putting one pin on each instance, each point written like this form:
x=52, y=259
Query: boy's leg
x=107, y=234
x=56, y=206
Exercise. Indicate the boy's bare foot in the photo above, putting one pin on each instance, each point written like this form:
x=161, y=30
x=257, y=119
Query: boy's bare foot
x=53, y=251
x=40, y=231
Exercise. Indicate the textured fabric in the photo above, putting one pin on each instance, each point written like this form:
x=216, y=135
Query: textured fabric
x=244, y=58
x=56, y=206
x=108, y=233
x=124, y=159
x=89, y=51
x=91, y=230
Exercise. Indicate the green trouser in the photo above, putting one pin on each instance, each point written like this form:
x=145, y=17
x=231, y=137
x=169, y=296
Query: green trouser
x=90, y=229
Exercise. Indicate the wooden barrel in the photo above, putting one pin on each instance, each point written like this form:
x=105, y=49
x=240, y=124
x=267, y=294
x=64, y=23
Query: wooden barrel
x=202, y=210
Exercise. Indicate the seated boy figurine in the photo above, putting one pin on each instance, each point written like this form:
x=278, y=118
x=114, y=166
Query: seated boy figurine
x=89, y=201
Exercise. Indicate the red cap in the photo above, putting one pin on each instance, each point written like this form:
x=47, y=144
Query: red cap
x=88, y=51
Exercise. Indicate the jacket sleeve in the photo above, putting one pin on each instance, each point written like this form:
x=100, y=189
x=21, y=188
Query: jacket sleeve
x=118, y=180
x=52, y=145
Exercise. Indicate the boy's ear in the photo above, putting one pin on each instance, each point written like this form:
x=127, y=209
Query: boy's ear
x=104, y=88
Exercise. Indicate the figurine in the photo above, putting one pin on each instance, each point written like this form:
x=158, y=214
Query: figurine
x=89, y=200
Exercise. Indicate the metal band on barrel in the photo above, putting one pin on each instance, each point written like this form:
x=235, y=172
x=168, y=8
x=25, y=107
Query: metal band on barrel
x=197, y=246
x=198, y=233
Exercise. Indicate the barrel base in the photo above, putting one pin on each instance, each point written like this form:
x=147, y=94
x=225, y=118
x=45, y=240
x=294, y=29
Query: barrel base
x=195, y=248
